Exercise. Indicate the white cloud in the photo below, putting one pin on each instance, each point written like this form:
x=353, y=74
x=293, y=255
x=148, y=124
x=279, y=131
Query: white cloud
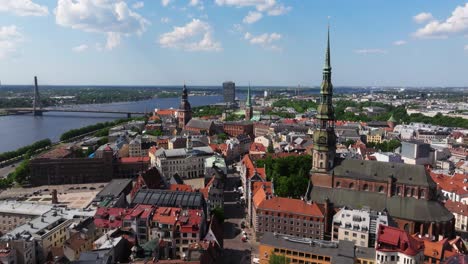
x=370, y=51
x=265, y=40
x=165, y=20
x=466, y=47
x=423, y=17
x=110, y=17
x=279, y=10
x=271, y=7
x=138, y=5
x=113, y=40
x=80, y=48
x=165, y=2
x=252, y=17
x=457, y=23
x=399, y=42
x=10, y=37
x=194, y=36
x=23, y=8
x=194, y=2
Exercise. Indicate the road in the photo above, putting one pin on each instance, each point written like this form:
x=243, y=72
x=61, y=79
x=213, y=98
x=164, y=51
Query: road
x=8, y=169
x=236, y=251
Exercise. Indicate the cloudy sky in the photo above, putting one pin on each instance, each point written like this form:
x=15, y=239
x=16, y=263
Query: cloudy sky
x=205, y=42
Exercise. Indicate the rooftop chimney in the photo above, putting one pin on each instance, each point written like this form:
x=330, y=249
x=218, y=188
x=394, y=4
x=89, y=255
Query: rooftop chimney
x=54, y=196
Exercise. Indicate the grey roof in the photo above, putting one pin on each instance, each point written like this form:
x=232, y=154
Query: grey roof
x=180, y=152
x=167, y=198
x=401, y=207
x=341, y=252
x=114, y=188
x=380, y=171
x=200, y=124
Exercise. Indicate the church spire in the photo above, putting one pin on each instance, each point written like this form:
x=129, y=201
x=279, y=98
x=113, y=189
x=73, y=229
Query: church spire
x=327, y=55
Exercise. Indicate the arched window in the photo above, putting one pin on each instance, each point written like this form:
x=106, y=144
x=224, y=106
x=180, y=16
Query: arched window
x=408, y=191
x=321, y=165
x=412, y=191
x=365, y=187
x=351, y=185
x=338, y=184
x=321, y=155
x=398, y=190
x=381, y=189
x=422, y=193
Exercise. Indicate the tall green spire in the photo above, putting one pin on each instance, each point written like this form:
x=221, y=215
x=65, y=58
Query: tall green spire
x=327, y=65
x=248, y=101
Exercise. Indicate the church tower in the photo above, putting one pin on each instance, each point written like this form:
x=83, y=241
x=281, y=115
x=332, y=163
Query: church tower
x=185, y=111
x=248, y=106
x=324, y=148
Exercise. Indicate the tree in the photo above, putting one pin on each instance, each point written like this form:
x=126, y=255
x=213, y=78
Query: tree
x=270, y=148
x=219, y=213
x=349, y=142
x=277, y=259
x=223, y=136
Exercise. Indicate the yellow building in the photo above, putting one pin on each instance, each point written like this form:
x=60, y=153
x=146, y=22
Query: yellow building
x=309, y=251
x=375, y=136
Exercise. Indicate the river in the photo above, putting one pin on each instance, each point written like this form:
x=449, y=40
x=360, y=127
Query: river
x=20, y=130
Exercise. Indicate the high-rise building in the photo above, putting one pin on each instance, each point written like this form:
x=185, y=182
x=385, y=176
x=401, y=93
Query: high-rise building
x=185, y=110
x=248, y=106
x=229, y=92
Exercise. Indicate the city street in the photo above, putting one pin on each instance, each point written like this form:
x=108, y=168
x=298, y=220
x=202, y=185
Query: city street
x=235, y=250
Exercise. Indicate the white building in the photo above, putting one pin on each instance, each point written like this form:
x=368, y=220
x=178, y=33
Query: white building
x=34, y=240
x=359, y=226
x=186, y=162
x=388, y=157
x=403, y=250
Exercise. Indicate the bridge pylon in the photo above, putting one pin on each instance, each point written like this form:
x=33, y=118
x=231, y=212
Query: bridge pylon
x=37, y=108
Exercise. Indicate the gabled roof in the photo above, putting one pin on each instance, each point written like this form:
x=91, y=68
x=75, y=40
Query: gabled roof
x=199, y=124
x=391, y=239
x=380, y=171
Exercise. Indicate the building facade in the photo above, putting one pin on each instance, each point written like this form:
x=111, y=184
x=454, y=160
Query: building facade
x=395, y=246
x=186, y=162
x=229, y=92
x=359, y=226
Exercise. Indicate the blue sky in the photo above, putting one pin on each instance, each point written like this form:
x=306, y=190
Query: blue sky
x=205, y=42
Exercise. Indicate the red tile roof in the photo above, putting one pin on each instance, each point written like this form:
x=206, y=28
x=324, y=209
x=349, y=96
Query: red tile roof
x=181, y=187
x=392, y=239
x=457, y=207
x=292, y=206
x=458, y=183
x=257, y=147
x=109, y=217
x=141, y=212
x=163, y=112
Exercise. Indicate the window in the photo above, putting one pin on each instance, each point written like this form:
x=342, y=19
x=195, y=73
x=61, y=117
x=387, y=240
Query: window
x=381, y=189
x=337, y=185
x=351, y=185
x=365, y=187
x=422, y=194
x=398, y=190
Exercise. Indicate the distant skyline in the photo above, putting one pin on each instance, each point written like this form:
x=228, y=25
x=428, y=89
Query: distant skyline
x=205, y=42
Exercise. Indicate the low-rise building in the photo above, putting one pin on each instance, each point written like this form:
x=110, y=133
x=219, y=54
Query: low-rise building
x=358, y=226
x=16, y=213
x=45, y=232
x=186, y=162
x=460, y=212
x=134, y=147
x=306, y=250
x=290, y=216
x=234, y=129
x=396, y=246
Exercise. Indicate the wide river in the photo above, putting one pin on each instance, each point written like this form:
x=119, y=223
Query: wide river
x=20, y=130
